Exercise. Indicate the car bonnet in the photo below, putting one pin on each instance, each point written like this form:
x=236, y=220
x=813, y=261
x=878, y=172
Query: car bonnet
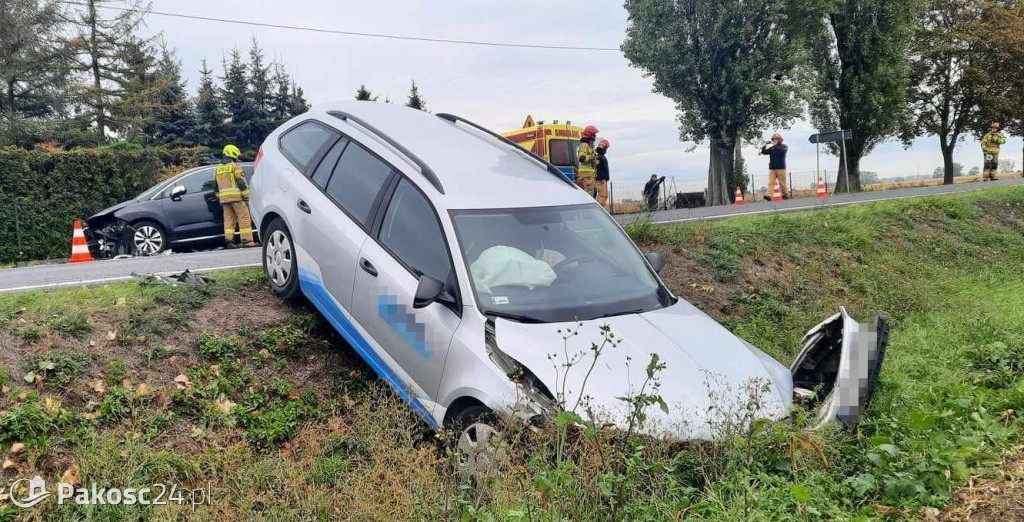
x=709, y=377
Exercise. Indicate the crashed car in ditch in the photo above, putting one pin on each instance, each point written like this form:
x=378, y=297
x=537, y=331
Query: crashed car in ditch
x=180, y=211
x=476, y=280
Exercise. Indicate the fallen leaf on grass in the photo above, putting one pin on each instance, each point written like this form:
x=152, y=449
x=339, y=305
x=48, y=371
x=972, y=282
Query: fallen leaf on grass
x=127, y=383
x=264, y=353
x=182, y=382
x=91, y=415
x=17, y=448
x=72, y=476
x=225, y=405
x=215, y=368
x=51, y=405
x=111, y=335
x=4, y=390
x=143, y=390
x=8, y=464
x=99, y=387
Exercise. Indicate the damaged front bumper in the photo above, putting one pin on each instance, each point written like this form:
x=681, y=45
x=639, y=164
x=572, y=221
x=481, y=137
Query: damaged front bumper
x=838, y=367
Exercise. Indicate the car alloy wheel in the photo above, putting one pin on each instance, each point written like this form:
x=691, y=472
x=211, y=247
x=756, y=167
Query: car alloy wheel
x=148, y=240
x=479, y=450
x=279, y=258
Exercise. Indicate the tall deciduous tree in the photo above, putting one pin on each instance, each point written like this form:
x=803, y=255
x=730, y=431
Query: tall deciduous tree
x=415, y=100
x=947, y=74
x=1001, y=33
x=727, y=65
x=98, y=47
x=858, y=52
x=34, y=69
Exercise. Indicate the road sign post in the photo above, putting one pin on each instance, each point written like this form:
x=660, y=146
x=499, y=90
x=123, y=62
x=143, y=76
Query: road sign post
x=839, y=136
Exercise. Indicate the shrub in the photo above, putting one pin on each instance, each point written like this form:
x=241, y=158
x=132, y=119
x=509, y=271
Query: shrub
x=43, y=192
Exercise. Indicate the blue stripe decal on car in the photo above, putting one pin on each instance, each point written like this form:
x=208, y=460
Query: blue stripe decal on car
x=335, y=314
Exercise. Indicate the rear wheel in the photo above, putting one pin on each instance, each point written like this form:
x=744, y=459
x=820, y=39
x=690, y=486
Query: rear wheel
x=148, y=238
x=279, y=262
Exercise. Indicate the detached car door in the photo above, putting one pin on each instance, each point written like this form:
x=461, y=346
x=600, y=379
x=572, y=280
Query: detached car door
x=197, y=213
x=410, y=243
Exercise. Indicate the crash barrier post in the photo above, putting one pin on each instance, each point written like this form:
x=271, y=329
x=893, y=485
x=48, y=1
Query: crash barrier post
x=79, y=247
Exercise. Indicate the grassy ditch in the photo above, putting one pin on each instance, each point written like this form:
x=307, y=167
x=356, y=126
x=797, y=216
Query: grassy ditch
x=127, y=385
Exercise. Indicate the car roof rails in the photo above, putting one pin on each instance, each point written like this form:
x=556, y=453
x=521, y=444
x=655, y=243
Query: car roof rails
x=424, y=169
x=550, y=168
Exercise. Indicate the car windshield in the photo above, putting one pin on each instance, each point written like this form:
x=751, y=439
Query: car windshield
x=555, y=264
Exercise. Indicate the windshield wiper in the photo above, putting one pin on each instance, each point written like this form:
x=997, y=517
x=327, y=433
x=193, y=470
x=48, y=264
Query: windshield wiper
x=626, y=312
x=514, y=317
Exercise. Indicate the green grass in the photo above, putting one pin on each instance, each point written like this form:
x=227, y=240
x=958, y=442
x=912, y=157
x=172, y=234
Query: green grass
x=945, y=271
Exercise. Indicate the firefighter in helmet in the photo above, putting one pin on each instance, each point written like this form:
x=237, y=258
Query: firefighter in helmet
x=233, y=194
x=990, y=144
x=603, y=175
x=587, y=172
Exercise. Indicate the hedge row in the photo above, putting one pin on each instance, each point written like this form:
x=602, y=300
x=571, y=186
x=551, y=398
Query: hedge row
x=42, y=192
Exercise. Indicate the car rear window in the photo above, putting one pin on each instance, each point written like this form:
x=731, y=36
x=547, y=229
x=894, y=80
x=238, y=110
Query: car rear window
x=357, y=179
x=326, y=167
x=301, y=144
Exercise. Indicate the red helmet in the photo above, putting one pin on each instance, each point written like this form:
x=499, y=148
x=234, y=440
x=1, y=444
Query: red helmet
x=590, y=132
x=604, y=144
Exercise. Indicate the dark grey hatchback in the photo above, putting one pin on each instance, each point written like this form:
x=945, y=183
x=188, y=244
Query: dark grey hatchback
x=180, y=211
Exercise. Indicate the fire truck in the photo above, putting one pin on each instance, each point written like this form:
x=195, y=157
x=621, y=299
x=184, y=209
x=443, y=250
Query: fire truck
x=555, y=142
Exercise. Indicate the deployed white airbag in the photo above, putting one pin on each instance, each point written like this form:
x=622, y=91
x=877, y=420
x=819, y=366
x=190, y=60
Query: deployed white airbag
x=508, y=266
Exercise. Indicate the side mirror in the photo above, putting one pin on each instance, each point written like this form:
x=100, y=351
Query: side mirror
x=657, y=262
x=178, y=191
x=428, y=290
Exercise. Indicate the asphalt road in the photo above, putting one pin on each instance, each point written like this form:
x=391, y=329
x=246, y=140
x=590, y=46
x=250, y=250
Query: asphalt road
x=100, y=272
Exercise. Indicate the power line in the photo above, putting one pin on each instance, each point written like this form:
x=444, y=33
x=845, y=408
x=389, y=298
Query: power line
x=347, y=33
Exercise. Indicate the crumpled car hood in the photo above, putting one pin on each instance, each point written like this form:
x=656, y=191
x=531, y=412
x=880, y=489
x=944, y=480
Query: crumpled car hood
x=709, y=379
x=109, y=211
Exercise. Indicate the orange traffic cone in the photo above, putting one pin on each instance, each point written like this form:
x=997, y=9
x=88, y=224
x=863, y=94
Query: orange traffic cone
x=822, y=192
x=79, y=247
x=739, y=196
x=777, y=192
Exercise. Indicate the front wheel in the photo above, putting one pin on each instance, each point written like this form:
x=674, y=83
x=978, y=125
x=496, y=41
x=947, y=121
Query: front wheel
x=149, y=238
x=279, y=262
x=480, y=448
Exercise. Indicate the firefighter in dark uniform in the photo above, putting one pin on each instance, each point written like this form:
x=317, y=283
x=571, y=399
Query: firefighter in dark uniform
x=233, y=194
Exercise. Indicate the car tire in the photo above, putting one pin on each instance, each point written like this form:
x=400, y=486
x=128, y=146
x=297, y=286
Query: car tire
x=479, y=447
x=148, y=238
x=279, y=263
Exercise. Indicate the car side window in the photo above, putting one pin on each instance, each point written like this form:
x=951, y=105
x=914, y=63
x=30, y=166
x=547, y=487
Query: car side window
x=357, y=179
x=301, y=144
x=326, y=167
x=412, y=233
x=195, y=183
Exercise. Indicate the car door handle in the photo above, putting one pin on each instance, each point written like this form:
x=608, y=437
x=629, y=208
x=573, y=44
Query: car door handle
x=367, y=267
x=303, y=206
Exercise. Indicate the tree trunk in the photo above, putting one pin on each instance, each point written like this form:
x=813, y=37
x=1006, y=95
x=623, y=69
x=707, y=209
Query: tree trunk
x=97, y=80
x=722, y=160
x=947, y=163
x=853, y=162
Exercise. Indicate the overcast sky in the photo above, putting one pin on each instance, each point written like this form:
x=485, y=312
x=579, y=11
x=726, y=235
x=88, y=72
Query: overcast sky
x=498, y=87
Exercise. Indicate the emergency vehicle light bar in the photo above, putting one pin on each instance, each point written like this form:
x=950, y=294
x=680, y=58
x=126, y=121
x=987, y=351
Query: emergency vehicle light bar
x=424, y=169
x=550, y=168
